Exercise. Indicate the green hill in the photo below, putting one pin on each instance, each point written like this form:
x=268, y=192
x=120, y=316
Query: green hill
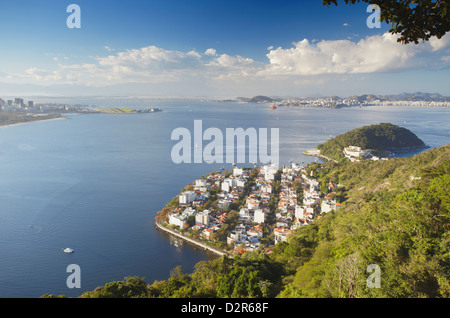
x=380, y=138
x=396, y=215
x=261, y=99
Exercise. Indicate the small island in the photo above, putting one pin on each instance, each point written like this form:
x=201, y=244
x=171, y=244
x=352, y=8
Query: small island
x=123, y=110
x=375, y=142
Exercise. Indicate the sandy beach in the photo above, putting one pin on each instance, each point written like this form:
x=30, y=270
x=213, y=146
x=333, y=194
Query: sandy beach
x=32, y=121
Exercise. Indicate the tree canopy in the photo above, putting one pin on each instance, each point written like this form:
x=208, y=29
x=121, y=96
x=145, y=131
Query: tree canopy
x=379, y=138
x=414, y=20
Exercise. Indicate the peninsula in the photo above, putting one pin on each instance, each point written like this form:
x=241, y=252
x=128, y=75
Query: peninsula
x=394, y=216
x=246, y=209
x=17, y=111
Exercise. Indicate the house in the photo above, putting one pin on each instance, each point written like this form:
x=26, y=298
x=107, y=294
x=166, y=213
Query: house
x=298, y=223
x=201, y=184
x=244, y=214
x=206, y=233
x=255, y=232
x=252, y=203
x=280, y=234
x=266, y=188
x=234, y=237
x=327, y=206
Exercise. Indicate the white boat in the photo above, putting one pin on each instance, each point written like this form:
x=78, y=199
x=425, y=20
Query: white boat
x=68, y=250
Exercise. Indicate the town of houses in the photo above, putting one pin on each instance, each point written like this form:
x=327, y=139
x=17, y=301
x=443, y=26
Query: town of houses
x=266, y=199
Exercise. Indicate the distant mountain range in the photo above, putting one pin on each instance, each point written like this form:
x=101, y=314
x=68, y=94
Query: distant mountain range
x=418, y=96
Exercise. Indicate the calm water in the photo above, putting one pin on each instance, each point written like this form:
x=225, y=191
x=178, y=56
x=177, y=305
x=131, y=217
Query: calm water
x=95, y=182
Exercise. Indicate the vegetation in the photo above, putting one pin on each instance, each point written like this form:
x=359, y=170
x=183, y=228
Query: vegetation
x=9, y=118
x=414, y=20
x=380, y=138
x=395, y=215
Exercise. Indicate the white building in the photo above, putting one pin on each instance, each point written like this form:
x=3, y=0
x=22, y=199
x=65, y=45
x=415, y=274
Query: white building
x=202, y=217
x=267, y=188
x=259, y=216
x=327, y=206
x=299, y=212
x=234, y=237
x=189, y=211
x=252, y=203
x=244, y=214
x=269, y=172
x=237, y=172
x=240, y=182
x=187, y=197
x=228, y=184
x=201, y=184
x=178, y=219
x=353, y=151
x=280, y=234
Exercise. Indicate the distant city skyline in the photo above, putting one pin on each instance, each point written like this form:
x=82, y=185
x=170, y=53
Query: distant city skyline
x=210, y=49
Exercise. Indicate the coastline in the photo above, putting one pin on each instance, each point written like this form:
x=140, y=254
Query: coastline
x=316, y=153
x=195, y=242
x=31, y=121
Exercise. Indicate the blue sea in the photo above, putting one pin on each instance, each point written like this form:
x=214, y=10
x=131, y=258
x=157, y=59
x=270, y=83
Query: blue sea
x=94, y=183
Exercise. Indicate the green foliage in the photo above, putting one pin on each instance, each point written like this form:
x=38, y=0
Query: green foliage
x=130, y=287
x=379, y=137
x=401, y=225
x=413, y=20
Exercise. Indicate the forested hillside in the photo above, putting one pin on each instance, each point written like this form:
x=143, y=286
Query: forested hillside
x=380, y=137
x=396, y=216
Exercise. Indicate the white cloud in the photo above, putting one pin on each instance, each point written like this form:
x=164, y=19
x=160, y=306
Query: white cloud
x=194, y=53
x=438, y=44
x=211, y=52
x=304, y=60
x=378, y=53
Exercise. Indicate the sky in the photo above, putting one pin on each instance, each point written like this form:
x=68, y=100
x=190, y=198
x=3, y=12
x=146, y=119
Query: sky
x=209, y=48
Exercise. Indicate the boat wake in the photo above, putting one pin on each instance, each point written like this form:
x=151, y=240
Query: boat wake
x=35, y=229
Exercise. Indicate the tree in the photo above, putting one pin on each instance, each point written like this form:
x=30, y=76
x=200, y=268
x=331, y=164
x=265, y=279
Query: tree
x=264, y=286
x=414, y=19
